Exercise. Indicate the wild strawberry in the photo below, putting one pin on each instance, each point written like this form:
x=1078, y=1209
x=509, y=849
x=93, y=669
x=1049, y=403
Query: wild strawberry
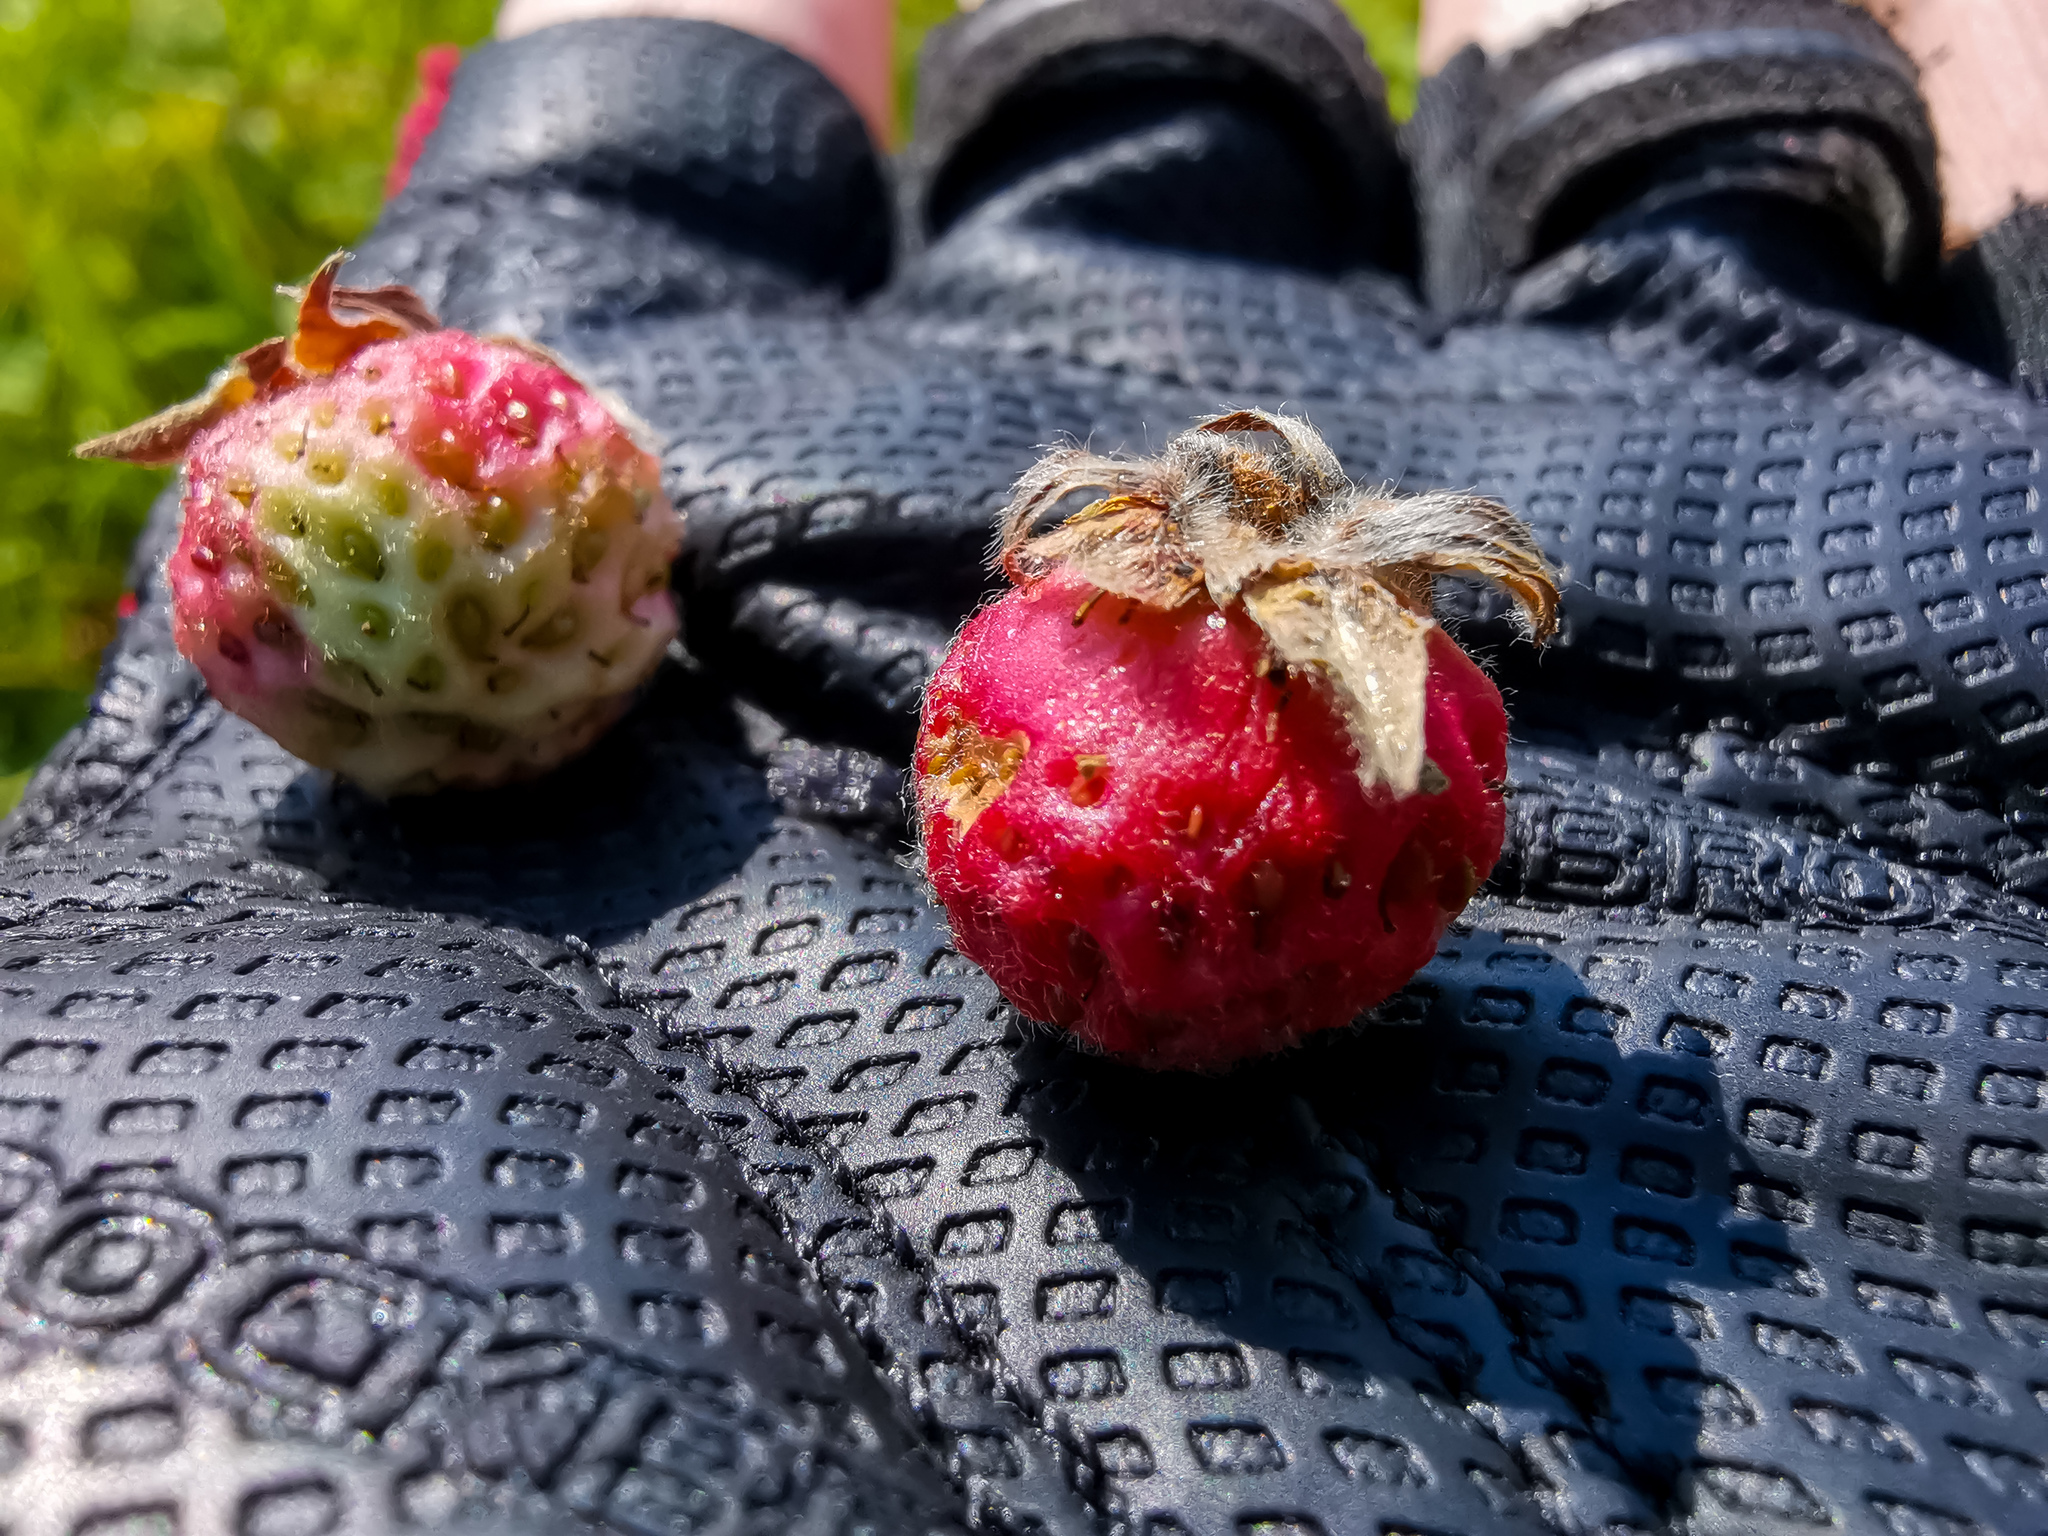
x=1210, y=779
x=412, y=556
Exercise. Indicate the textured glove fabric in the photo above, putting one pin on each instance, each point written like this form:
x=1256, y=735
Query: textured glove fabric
x=631, y=1151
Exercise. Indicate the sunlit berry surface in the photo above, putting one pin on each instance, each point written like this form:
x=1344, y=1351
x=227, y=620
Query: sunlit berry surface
x=1150, y=835
x=445, y=565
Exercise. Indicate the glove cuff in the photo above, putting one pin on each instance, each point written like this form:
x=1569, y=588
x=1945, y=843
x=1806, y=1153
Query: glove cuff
x=1649, y=103
x=1996, y=294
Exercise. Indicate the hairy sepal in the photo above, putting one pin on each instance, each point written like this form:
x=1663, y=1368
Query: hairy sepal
x=1339, y=580
x=1372, y=652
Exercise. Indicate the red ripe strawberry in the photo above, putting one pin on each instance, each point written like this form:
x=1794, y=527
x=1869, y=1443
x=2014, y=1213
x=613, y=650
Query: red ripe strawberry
x=410, y=555
x=1210, y=779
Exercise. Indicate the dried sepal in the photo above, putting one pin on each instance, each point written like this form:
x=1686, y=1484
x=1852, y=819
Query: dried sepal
x=164, y=437
x=1121, y=544
x=1443, y=533
x=1299, y=477
x=1051, y=480
x=1340, y=580
x=1373, y=652
x=322, y=341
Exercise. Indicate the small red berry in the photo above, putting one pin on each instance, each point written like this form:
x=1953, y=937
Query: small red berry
x=417, y=557
x=1210, y=779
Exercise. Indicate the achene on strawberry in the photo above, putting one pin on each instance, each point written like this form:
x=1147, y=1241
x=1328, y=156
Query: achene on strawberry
x=1211, y=778
x=414, y=556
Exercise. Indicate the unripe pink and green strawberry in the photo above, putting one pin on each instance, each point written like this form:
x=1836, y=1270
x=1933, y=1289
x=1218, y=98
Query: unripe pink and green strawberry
x=413, y=556
x=1210, y=779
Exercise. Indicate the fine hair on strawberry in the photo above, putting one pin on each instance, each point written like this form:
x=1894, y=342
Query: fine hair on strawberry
x=1210, y=777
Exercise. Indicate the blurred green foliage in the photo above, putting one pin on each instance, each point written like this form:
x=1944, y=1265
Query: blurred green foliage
x=163, y=165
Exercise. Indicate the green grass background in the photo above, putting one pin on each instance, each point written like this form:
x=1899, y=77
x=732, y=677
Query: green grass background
x=163, y=165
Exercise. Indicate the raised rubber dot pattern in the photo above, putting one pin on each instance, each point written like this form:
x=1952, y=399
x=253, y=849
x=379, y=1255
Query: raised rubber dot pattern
x=1701, y=1171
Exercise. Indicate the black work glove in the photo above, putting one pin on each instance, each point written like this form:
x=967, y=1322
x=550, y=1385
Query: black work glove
x=629, y=1150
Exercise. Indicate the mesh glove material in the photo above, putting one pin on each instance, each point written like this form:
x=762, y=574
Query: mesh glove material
x=632, y=1150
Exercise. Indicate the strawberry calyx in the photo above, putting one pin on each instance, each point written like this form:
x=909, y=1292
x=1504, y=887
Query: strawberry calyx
x=322, y=341
x=1339, y=580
